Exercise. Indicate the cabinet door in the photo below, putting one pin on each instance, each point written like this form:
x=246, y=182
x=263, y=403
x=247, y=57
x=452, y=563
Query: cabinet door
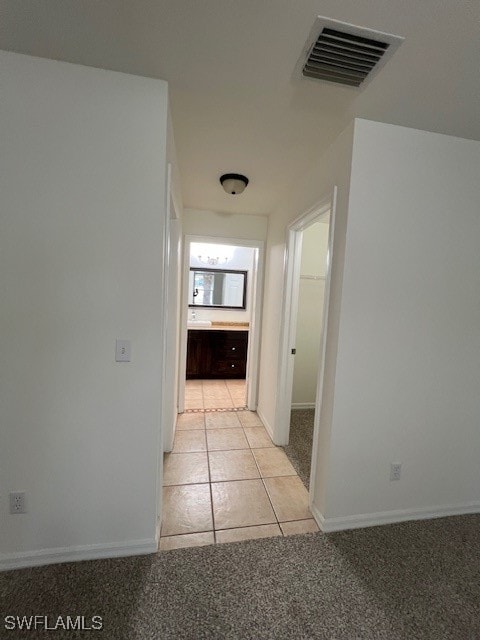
x=197, y=354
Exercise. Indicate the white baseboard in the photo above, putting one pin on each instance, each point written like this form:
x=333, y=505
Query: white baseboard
x=318, y=517
x=73, y=554
x=303, y=405
x=328, y=525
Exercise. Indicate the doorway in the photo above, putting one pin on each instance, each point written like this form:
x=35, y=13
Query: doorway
x=221, y=314
x=309, y=318
x=302, y=347
x=221, y=279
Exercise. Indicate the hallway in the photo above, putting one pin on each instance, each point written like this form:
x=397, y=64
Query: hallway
x=225, y=481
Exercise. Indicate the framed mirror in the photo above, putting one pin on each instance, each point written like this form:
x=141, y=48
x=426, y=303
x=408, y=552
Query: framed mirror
x=217, y=288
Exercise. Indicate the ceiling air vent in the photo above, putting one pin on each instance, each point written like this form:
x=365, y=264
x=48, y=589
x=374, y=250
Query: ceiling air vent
x=346, y=54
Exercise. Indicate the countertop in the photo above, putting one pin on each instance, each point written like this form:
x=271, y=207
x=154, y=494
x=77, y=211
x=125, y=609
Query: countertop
x=223, y=326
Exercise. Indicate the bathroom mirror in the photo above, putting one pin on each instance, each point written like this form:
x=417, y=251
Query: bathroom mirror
x=217, y=288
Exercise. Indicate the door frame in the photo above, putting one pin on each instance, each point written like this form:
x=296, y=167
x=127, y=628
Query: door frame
x=253, y=352
x=170, y=255
x=172, y=334
x=293, y=252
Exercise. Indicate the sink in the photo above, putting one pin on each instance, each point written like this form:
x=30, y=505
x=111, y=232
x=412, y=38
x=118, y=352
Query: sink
x=194, y=324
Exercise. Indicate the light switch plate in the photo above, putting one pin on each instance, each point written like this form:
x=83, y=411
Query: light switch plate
x=123, y=351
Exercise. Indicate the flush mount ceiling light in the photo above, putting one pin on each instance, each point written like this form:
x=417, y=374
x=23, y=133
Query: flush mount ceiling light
x=233, y=183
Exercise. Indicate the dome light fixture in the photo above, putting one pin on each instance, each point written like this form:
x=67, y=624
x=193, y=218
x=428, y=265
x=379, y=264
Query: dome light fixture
x=233, y=183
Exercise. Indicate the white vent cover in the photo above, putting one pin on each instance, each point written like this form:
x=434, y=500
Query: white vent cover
x=345, y=54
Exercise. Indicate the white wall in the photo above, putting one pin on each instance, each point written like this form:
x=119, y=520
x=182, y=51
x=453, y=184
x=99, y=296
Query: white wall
x=224, y=225
x=332, y=169
x=408, y=369
x=310, y=313
x=82, y=195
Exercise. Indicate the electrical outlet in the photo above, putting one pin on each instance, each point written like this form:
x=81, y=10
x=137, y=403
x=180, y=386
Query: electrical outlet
x=18, y=502
x=123, y=351
x=395, y=471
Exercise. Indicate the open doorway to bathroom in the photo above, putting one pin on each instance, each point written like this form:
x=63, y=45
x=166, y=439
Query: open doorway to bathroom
x=218, y=323
x=221, y=317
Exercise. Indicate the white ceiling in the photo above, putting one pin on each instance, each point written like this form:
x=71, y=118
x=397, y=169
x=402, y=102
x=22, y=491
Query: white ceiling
x=236, y=105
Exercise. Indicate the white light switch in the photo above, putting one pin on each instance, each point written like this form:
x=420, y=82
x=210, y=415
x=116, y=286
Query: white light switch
x=123, y=351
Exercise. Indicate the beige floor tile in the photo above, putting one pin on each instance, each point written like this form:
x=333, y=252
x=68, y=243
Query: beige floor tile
x=248, y=533
x=193, y=393
x=215, y=391
x=222, y=420
x=213, y=385
x=232, y=465
x=289, y=498
x=186, y=509
x=193, y=384
x=217, y=403
x=186, y=441
x=210, y=403
x=258, y=437
x=194, y=404
x=236, y=385
x=299, y=526
x=249, y=419
x=241, y=504
x=223, y=439
x=273, y=462
x=185, y=468
x=187, y=540
x=237, y=395
x=189, y=421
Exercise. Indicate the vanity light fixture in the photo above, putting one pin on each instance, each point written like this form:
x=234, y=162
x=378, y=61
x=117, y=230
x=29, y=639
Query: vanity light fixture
x=211, y=254
x=233, y=183
x=212, y=261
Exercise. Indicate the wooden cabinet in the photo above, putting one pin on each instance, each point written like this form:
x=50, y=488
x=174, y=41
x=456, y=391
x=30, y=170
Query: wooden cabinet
x=216, y=354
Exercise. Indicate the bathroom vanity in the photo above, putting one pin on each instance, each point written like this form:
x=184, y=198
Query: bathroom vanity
x=218, y=351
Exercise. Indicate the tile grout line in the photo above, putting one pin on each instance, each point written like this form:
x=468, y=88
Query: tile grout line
x=234, y=401
x=210, y=482
x=234, y=405
x=264, y=485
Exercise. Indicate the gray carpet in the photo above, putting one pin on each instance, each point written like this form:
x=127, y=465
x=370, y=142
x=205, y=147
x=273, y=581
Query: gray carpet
x=299, y=448
x=413, y=581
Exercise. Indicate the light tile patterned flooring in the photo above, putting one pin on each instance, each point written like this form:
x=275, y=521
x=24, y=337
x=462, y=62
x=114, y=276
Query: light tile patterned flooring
x=226, y=481
x=215, y=394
